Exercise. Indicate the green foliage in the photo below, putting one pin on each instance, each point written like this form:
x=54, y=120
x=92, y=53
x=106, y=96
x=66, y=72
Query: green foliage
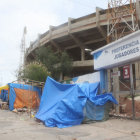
x=35, y=71
x=65, y=63
x=55, y=63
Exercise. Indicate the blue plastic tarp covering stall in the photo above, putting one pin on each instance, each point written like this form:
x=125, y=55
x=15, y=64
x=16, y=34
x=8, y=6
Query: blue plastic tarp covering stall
x=12, y=93
x=62, y=104
x=90, y=90
x=4, y=95
x=103, y=99
x=93, y=112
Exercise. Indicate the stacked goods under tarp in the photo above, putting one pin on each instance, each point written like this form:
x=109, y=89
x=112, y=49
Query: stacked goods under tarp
x=62, y=105
x=94, y=112
x=4, y=95
x=97, y=107
x=23, y=96
x=4, y=88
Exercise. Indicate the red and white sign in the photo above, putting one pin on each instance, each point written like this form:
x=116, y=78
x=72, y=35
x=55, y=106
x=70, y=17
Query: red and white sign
x=117, y=73
x=126, y=72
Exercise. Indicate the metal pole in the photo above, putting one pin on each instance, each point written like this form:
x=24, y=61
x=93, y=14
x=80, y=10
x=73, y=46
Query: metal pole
x=132, y=91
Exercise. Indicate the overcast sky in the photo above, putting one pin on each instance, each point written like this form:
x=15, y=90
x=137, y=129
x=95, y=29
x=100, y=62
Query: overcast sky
x=36, y=15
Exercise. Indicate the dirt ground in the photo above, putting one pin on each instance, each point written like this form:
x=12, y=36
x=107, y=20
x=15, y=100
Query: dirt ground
x=20, y=127
x=126, y=106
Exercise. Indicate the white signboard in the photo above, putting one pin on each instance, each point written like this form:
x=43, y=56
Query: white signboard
x=122, y=51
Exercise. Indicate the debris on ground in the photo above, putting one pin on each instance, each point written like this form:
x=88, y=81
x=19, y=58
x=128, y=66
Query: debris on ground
x=4, y=105
x=15, y=110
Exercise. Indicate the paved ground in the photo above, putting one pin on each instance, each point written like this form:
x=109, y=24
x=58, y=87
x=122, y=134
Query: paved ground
x=18, y=127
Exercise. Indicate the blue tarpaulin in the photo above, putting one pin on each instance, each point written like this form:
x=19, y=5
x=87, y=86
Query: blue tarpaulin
x=12, y=94
x=103, y=99
x=93, y=112
x=4, y=95
x=62, y=104
x=90, y=90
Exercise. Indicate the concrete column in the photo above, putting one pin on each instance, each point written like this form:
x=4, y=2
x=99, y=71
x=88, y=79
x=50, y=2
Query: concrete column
x=69, y=23
x=109, y=81
x=61, y=77
x=137, y=75
x=100, y=29
x=116, y=89
x=50, y=31
x=82, y=54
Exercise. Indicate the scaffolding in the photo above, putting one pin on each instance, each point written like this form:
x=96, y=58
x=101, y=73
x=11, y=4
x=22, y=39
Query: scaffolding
x=122, y=19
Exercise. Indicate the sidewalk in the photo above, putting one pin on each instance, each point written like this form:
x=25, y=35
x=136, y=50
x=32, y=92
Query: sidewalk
x=18, y=127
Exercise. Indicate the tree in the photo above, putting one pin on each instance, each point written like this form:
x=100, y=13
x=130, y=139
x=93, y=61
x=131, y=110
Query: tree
x=34, y=71
x=65, y=64
x=56, y=63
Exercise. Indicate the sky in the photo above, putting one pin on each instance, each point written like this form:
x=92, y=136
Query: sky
x=36, y=15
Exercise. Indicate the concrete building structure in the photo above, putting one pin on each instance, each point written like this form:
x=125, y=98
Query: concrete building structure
x=78, y=37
